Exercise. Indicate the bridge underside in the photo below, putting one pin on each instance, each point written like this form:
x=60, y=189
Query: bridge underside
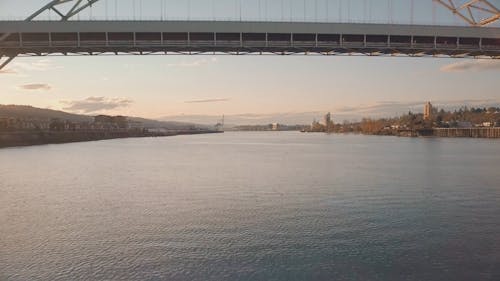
x=239, y=38
x=297, y=50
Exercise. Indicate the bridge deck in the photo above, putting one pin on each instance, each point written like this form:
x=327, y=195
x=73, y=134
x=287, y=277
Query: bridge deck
x=96, y=37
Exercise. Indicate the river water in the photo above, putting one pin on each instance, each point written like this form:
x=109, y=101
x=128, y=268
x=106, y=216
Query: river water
x=252, y=206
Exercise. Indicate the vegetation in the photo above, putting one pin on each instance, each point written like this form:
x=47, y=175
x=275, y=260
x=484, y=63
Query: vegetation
x=478, y=117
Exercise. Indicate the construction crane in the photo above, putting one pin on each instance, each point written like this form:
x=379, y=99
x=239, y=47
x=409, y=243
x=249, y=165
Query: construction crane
x=220, y=125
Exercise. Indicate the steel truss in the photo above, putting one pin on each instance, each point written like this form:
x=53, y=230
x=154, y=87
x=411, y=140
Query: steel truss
x=469, y=12
x=290, y=51
x=472, y=10
x=54, y=5
x=78, y=6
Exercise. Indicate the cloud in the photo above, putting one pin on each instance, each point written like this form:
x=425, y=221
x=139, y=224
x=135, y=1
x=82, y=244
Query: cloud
x=21, y=66
x=39, y=65
x=207, y=100
x=33, y=87
x=95, y=104
x=8, y=71
x=473, y=65
x=195, y=63
x=382, y=106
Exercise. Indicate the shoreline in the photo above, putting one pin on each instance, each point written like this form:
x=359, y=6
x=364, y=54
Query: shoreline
x=23, y=138
x=473, y=133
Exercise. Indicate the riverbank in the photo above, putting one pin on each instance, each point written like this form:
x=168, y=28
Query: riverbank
x=37, y=137
x=484, y=132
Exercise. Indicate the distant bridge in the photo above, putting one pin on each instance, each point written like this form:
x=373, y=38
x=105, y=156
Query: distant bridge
x=65, y=37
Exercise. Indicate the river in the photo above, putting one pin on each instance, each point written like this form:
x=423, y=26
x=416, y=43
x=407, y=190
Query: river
x=252, y=206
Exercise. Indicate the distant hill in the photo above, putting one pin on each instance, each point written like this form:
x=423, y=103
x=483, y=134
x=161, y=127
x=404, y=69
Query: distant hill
x=250, y=119
x=24, y=111
x=174, y=125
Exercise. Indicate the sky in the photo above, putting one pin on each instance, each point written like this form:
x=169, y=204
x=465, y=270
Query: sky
x=292, y=89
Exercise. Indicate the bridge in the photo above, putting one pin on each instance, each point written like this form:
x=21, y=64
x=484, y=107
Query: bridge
x=243, y=37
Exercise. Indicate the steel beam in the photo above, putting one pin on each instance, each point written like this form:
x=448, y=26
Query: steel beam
x=484, y=40
x=468, y=12
x=472, y=9
x=3, y=37
x=5, y=63
x=179, y=50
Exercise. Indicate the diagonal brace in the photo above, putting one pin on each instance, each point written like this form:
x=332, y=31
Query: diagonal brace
x=465, y=11
x=5, y=63
x=75, y=9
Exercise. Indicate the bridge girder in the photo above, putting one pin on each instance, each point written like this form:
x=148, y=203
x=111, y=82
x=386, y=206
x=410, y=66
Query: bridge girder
x=472, y=9
x=468, y=11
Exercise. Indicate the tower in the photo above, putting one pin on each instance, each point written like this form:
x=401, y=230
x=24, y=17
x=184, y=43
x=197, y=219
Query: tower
x=428, y=111
x=328, y=122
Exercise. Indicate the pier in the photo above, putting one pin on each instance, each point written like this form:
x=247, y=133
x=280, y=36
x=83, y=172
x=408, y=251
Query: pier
x=483, y=132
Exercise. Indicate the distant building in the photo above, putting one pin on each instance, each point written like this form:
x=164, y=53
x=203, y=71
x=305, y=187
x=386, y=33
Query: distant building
x=428, y=111
x=11, y=123
x=57, y=124
x=464, y=124
x=111, y=122
x=395, y=127
x=135, y=125
x=275, y=126
x=4, y=123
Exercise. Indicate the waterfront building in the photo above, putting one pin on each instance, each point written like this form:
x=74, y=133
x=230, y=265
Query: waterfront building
x=12, y=123
x=464, y=124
